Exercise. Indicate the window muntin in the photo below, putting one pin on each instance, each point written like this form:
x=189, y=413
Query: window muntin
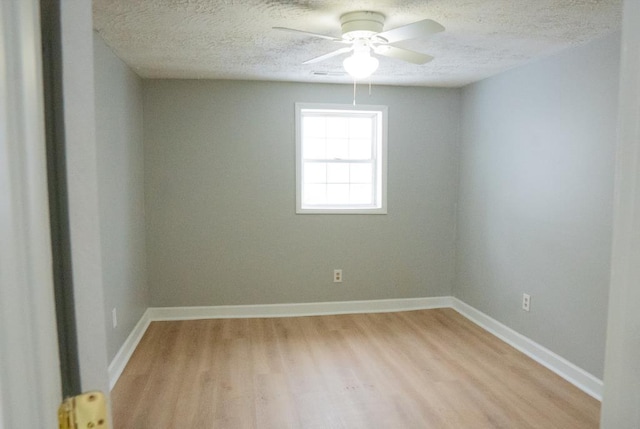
x=341, y=165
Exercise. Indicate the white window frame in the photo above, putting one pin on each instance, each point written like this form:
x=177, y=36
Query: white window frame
x=380, y=154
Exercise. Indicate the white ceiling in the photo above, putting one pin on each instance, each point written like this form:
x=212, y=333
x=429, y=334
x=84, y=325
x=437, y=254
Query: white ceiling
x=233, y=39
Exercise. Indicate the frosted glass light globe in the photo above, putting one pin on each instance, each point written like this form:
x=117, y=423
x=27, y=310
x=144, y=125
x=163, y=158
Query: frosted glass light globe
x=360, y=65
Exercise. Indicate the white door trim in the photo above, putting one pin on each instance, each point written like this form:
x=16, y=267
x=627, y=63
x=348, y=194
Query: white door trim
x=622, y=367
x=29, y=363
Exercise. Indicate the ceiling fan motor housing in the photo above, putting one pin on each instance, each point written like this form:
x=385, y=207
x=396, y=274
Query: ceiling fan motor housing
x=356, y=25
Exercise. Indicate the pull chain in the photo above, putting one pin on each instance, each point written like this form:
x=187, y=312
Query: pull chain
x=354, y=92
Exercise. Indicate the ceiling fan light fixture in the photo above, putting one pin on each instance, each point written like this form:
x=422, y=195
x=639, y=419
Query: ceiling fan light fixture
x=363, y=32
x=360, y=65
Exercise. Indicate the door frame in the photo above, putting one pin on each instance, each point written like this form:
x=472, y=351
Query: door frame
x=30, y=388
x=622, y=371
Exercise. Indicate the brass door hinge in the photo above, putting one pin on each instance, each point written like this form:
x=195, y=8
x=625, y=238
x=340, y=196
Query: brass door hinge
x=85, y=411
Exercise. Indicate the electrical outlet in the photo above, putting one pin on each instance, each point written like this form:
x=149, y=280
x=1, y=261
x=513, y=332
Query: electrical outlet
x=337, y=276
x=114, y=318
x=526, y=302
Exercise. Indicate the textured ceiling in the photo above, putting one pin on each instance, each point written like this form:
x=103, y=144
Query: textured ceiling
x=232, y=39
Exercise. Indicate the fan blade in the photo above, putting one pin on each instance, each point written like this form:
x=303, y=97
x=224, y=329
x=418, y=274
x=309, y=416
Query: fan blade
x=423, y=28
x=322, y=36
x=329, y=55
x=402, y=54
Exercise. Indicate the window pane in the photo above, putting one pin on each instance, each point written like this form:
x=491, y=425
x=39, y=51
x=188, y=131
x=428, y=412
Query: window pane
x=361, y=173
x=314, y=148
x=315, y=194
x=337, y=127
x=315, y=172
x=341, y=158
x=360, y=149
x=337, y=194
x=337, y=149
x=360, y=128
x=337, y=173
x=361, y=194
x=313, y=127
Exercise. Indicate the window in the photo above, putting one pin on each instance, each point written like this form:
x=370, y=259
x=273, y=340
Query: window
x=341, y=158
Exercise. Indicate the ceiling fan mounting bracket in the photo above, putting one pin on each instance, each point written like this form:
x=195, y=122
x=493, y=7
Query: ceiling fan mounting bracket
x=361, y=25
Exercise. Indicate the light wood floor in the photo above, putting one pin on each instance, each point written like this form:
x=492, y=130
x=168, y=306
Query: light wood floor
x=416, y=369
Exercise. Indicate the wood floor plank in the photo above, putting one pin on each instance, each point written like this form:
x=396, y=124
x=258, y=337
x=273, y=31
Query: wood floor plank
x=416, y=369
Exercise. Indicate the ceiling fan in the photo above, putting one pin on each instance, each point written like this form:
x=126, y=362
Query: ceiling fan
x=362, y=32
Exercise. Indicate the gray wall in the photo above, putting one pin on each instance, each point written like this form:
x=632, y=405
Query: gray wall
x=121, y=193
x=220, y=198
x=535, y=204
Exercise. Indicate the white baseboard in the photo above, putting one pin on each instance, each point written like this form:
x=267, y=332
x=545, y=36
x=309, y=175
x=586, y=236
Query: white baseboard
x=565, y=369
x=302, y=309
x=121, y=359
